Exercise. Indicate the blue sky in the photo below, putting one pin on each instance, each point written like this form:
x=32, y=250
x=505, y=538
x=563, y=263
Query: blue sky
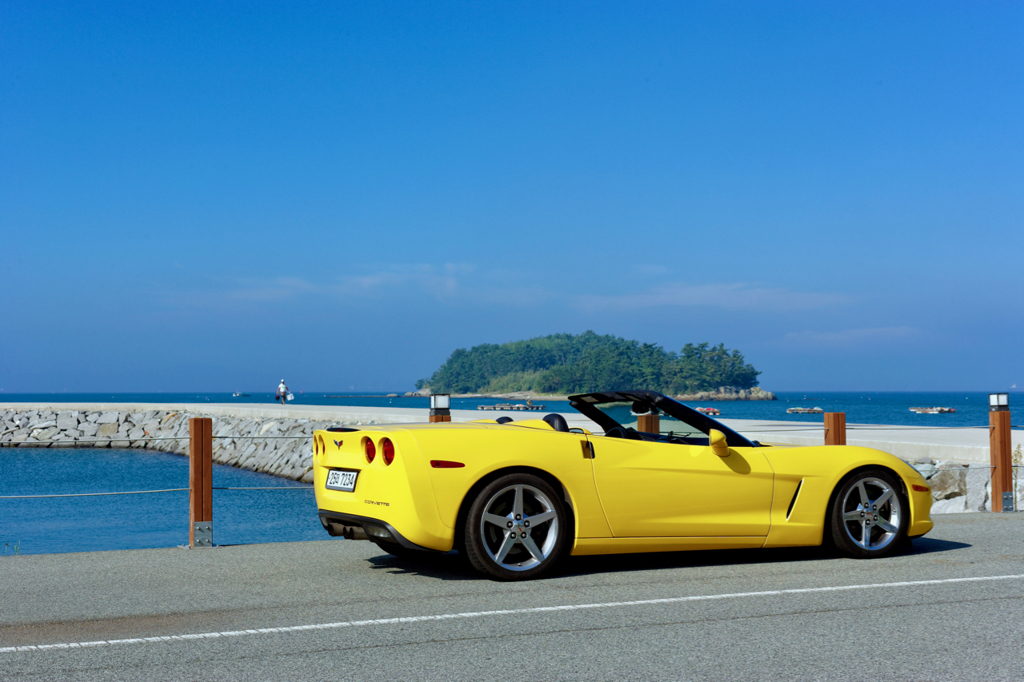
x=213, y=196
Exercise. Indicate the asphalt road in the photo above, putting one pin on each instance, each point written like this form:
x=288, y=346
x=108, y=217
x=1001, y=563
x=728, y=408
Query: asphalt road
x=774, y=614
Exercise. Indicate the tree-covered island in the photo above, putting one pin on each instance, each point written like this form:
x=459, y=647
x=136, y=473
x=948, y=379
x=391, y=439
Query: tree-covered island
x=568, y=363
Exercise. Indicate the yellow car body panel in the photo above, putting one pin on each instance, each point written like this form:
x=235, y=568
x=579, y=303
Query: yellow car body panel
x=625, y=495
x=674, y=490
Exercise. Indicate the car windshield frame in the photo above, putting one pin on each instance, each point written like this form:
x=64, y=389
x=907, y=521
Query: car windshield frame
x=588, y=404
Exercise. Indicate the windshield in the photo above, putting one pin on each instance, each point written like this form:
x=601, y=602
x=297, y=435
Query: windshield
x=619, y=413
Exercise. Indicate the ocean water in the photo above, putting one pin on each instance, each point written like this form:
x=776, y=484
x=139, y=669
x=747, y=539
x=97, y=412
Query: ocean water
x=83, y=524
x=860, y=407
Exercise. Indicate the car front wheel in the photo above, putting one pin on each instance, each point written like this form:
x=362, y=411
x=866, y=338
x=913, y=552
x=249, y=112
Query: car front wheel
x=869, y=515
x=516, y=528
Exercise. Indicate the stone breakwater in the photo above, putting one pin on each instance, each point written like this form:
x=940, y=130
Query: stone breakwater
x=272, y=445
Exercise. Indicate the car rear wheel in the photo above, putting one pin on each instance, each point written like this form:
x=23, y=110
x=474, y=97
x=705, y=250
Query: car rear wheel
x=869, y=515
x=516, y=528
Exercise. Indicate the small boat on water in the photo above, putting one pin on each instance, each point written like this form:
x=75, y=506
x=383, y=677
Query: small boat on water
x=804, y=410
x=519, y=407
x=239, y=395
x=711, y=411
x=933, y=410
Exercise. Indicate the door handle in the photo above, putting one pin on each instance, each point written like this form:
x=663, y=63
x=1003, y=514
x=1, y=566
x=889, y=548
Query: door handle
x=588, y=449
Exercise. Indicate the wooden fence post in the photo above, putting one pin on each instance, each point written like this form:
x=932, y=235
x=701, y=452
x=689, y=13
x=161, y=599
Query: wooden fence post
x=648, y=423
x=1001, y=456
x=200, y=482
x=835, y=428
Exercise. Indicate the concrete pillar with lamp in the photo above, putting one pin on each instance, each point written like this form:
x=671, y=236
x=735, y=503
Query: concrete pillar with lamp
x=440, y=407
x=1000, y=451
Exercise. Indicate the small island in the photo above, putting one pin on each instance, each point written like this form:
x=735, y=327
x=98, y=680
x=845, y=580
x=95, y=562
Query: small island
x=562, y=364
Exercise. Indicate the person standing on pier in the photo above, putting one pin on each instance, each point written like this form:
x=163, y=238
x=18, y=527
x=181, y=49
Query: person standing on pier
x=282, y=392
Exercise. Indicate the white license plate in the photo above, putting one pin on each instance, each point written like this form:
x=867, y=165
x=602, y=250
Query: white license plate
x=342, y=480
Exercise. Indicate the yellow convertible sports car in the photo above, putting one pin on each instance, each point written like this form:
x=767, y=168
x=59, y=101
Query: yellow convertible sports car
x=515, y=496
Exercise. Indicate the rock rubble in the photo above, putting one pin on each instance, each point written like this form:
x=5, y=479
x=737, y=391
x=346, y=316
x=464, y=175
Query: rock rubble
x=958, y=487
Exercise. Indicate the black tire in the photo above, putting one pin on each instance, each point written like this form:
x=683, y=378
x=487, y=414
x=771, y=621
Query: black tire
x=516, y=528
x=869, y=515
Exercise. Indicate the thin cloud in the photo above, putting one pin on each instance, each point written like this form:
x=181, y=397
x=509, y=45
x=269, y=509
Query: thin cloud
x=735, y=296
x=850, y=337
x=466, y=284
x=278, y=289
x=649, y=270
x=442, y=282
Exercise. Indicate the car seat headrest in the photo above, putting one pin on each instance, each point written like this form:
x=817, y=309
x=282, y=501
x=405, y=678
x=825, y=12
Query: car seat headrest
x=557, y=422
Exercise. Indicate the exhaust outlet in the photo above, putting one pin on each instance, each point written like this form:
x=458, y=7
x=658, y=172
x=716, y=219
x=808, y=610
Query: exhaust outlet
x=338, y=530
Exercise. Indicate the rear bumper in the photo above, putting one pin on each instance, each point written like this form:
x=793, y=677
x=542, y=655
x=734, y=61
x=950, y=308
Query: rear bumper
x=366, y=522
x=399, y=495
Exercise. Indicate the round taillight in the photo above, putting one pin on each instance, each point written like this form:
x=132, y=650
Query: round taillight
x=369, y=449
x=388, y=448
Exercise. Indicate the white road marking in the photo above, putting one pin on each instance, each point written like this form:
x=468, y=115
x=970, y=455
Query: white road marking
x=500, y=612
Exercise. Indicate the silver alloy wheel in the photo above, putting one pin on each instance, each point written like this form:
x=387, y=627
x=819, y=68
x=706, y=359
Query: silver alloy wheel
x=519, y=527
x=872, y=514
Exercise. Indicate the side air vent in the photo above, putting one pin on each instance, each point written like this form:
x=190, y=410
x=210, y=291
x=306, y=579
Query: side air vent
x=793, y=501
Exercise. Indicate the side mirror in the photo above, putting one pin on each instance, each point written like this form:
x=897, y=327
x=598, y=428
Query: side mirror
x=718, y=444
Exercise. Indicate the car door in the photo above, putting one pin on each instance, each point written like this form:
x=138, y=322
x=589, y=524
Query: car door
x=659, y=489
